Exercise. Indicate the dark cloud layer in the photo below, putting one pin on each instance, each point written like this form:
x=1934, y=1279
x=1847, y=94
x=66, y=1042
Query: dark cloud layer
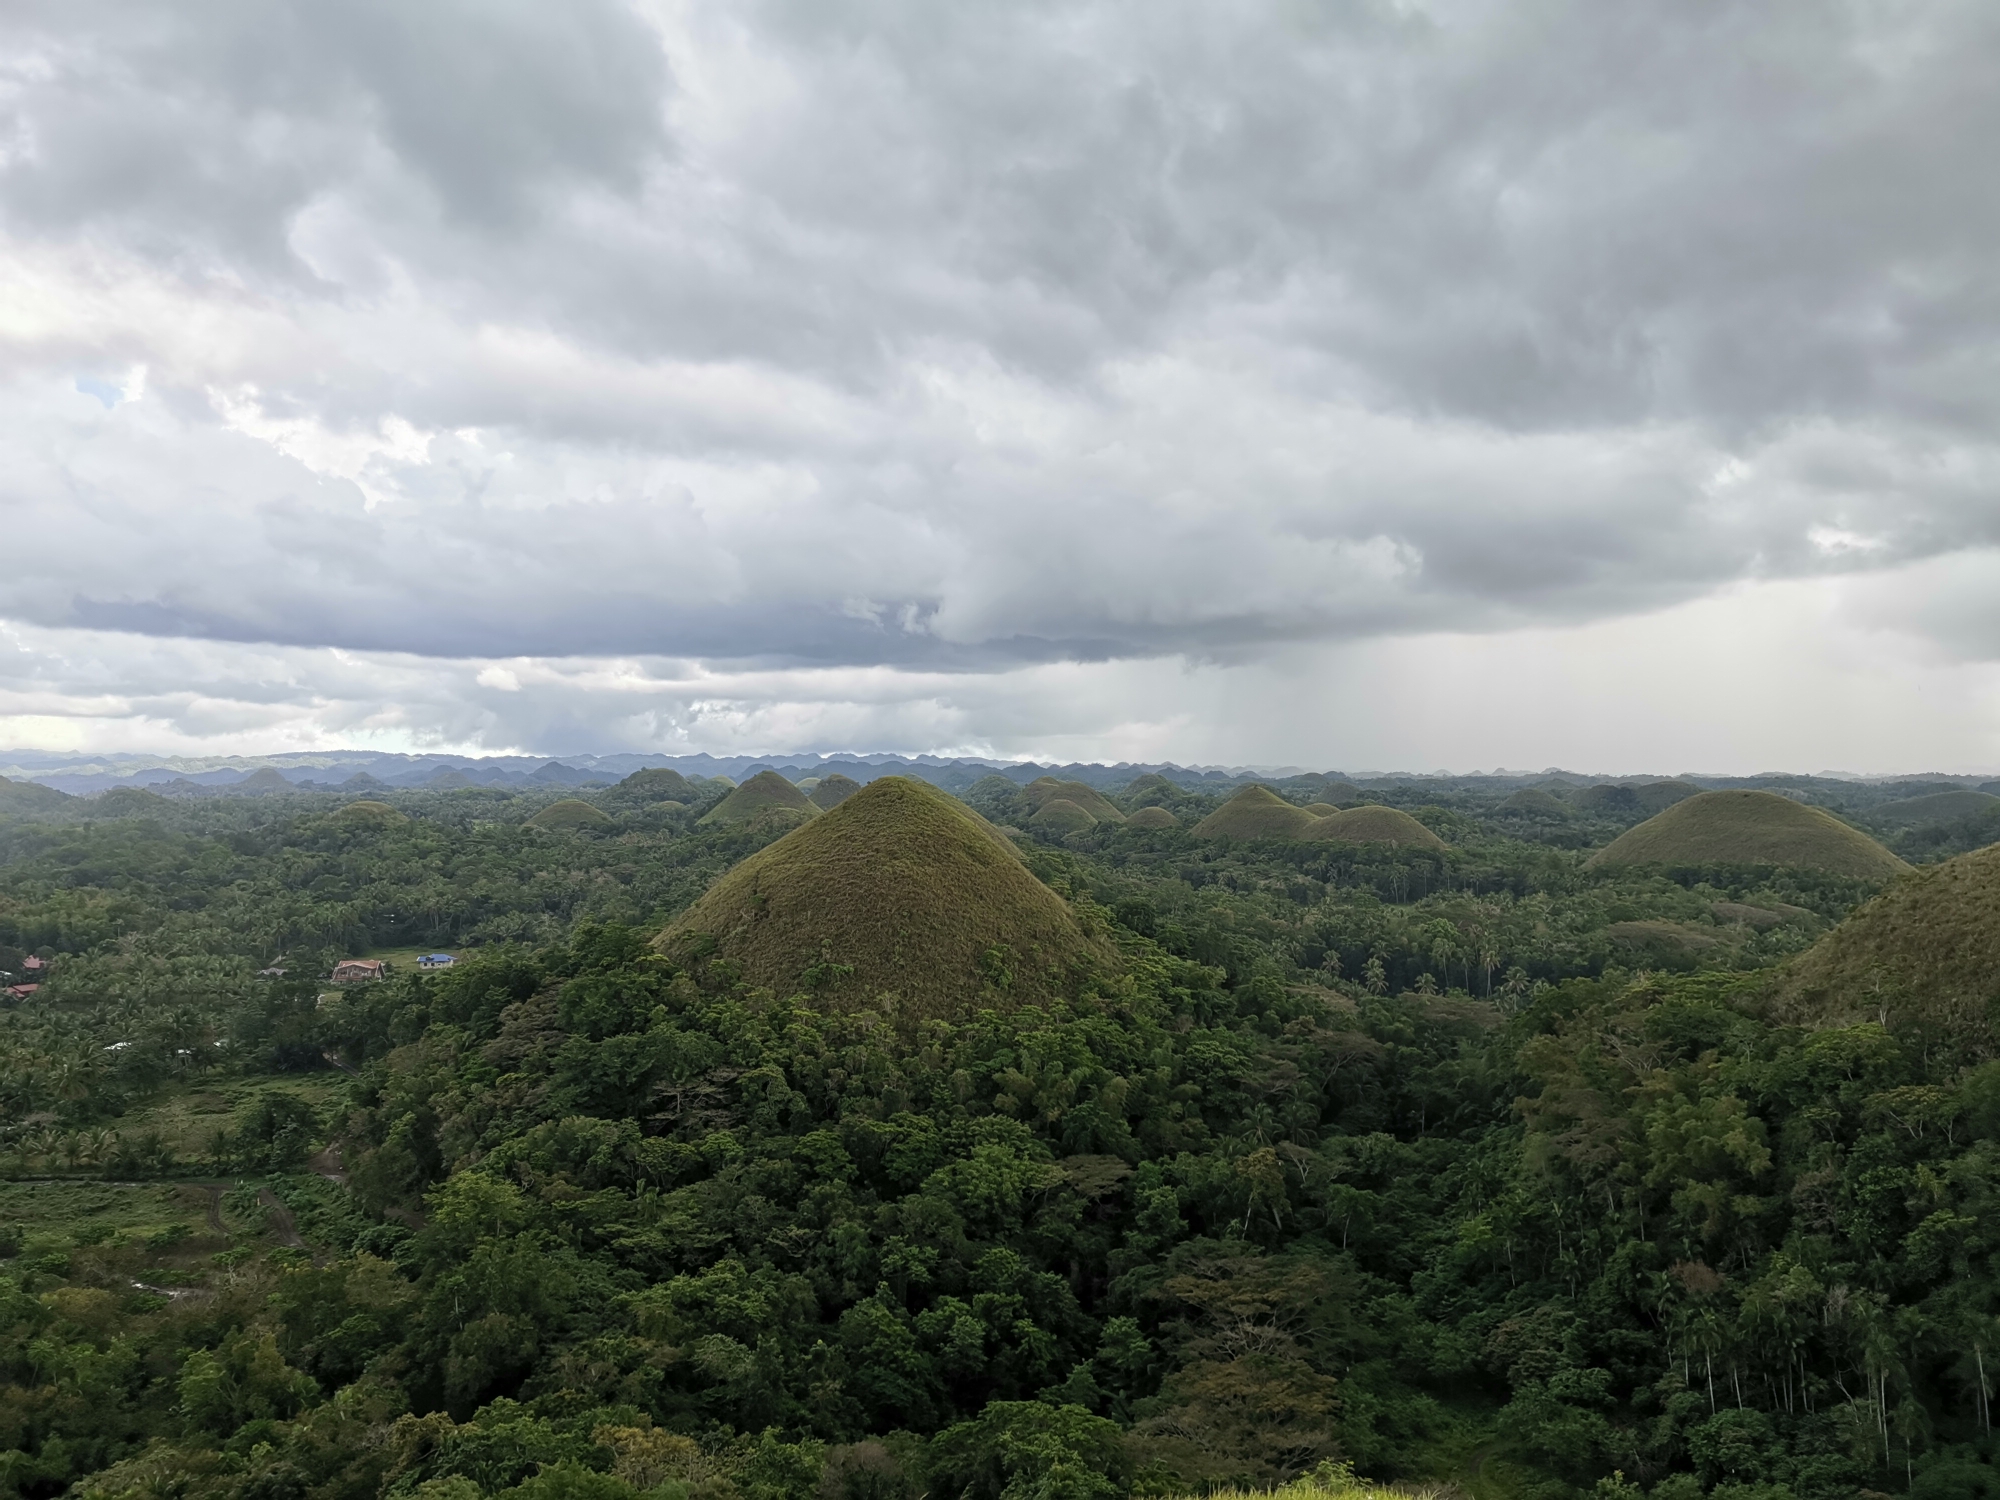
x=955, y=337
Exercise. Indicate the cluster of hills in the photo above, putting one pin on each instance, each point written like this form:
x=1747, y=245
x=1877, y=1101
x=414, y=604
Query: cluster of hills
x=903, y=891
x=828, y=1056
x=899, y=889
x=890, y=885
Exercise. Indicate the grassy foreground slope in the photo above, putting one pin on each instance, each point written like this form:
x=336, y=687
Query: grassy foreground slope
x=1924, y=952
x=901, y=890
x=1937, y=807
x=1751, y=828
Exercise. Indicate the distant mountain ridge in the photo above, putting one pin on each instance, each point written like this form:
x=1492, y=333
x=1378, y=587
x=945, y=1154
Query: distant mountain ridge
x=334, y=769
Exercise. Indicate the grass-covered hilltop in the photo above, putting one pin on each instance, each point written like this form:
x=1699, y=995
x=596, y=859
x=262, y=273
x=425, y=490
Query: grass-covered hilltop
x=900, y=899
x=1752, y=827
x=863, y=1129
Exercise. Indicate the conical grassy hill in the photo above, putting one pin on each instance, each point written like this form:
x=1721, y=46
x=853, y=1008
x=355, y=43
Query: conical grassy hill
x=1373, y=824
x=1256, y=812
x=762, y=793
x=1926, y=951
x=568, y=813
x=832, y=790
x=1152, y=817
x=899, y=891
x=1750, y=828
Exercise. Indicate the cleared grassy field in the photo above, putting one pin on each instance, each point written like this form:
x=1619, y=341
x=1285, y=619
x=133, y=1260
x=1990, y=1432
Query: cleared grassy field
x=187, y=1118
x=58, y=1216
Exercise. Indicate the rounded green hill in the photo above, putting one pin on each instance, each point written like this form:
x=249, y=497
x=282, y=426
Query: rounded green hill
x=1658, y=796
x=1322, y=809
x=1641, y=799
x=1926, y=952
x=120, y=802
x=654, y=784
x=900, y=891
x=26, y=795
x=833, y=789
x=1750, y=828
x=1256, y=812
x=1533, y=802
x=1374, y=824
x=1937, y=807
x=765, y=792
x=1335, y=790
x=1060, y=815
x=1046, y=789
x=370, y=811
x=567, y=814
x=1152, y=817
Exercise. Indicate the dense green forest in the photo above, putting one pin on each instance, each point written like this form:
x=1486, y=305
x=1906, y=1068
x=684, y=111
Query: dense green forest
x=1477, y=1164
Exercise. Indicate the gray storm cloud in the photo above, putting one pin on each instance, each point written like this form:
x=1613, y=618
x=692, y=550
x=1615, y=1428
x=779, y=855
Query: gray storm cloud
x=959, y=338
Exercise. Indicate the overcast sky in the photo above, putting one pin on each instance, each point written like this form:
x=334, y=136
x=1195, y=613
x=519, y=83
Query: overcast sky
x=1420, y=384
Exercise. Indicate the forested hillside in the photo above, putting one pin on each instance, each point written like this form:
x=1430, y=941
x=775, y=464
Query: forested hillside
x=1469, y=1163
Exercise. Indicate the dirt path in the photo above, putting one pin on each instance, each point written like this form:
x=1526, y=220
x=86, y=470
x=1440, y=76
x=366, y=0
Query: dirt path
x=214, y=1193
x=284, y=1228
